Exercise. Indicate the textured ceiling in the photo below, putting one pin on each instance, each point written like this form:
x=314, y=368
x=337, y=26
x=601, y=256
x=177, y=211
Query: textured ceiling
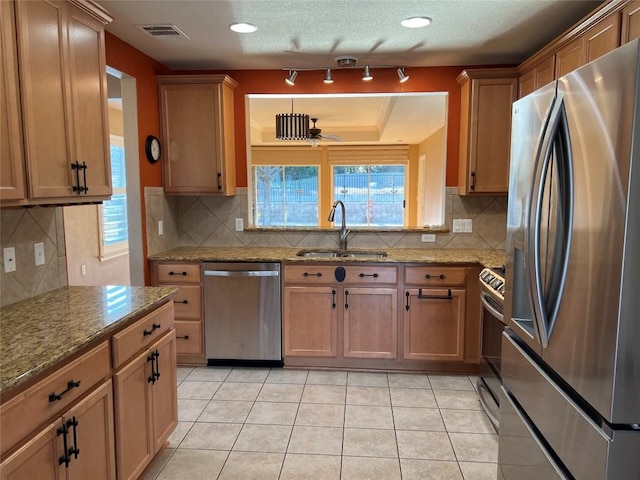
x=312, y=33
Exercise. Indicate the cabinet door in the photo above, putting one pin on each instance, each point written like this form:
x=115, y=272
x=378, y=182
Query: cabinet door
x=310, y=320
x=164, y=398
x=90, y=426
x=134, y=442
x=490, y=136
x=602, y=38
x=42, y=47
x=88, y=86
x=630, y=22
x=434, y=324
x=38, y=459
x=545, y=71
x=190, y=116
x=370, y=322
x=569, y=57
x=527, y=83
x=12, y=185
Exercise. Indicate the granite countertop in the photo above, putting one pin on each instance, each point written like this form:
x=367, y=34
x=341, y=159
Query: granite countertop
x=36, y=334
x=484, y=257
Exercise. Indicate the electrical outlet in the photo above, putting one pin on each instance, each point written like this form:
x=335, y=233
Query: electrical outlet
x=160, y=227
x=38, y=253
x=83, y=270
x=428, y=237
x=462, y=225
x=457, y=225
x=9, y=259
x=239, y=224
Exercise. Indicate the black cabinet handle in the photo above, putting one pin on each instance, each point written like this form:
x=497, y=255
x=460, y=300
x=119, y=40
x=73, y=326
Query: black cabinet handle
x=152, y=378
x=346, y=299
x=407, y=305
x=219, y=181
x=54, y=397
x=333, y=299
x=473, y=180
x=434, y=297
x=374, y=275
x=157, y=355
x=154, y=327
x=184, y=274
x=64, y=458
x=85, y=189
x=73, y=422
x=307, y=274
x=442, y=276
x=181, y=301
x=184, y=337
x=76, y=166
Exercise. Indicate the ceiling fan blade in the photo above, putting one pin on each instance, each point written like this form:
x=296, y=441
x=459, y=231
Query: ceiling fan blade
x=335, y=138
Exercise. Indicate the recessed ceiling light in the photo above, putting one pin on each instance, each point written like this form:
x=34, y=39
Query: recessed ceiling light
x=243, y=27
x=415, y=22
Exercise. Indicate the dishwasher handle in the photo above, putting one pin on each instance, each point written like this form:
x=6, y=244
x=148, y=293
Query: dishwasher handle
x=241, y=273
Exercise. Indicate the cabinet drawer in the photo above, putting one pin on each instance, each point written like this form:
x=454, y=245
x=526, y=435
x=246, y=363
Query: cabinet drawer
x=170, y=273
x=435, y=276
x=187, y=303
x=309, y=274
x=49, y=397
x=141, y=334
x=189, y=338
x=371, y=274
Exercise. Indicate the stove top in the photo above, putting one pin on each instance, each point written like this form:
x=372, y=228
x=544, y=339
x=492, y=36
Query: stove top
x=492, y=280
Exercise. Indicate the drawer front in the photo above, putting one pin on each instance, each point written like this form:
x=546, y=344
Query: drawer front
x=141, y=334
x=171, y=273
x=187, y=303
x=435, y=276
x=189, y=338
x=310, y=274
x=51, y=396
x=368, y=274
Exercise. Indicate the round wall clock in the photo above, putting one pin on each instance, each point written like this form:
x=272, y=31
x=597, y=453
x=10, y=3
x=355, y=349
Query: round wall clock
x=152, y=149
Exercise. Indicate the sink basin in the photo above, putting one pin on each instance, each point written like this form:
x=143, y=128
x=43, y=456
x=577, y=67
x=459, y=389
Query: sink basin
x=341, y=253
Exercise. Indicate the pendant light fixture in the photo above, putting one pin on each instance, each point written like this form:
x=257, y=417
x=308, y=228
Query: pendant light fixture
x=344, y=63
x=292, y=126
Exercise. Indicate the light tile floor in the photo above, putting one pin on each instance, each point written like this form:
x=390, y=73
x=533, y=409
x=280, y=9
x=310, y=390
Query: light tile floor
x=274, y=424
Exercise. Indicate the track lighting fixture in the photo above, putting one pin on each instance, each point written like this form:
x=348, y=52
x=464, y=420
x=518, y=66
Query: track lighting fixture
x=401, y=75
x=366, y=75
x=291, y=79
x=344, y=63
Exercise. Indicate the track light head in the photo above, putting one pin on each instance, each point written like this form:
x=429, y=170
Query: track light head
x=401, y=75
x=291, y=79
x=366, y=75
x=327, y=77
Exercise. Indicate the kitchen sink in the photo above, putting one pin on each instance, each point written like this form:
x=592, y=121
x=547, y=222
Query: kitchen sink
x=341, y=254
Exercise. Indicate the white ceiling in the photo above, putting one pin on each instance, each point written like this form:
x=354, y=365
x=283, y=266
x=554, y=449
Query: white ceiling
x=311, y=33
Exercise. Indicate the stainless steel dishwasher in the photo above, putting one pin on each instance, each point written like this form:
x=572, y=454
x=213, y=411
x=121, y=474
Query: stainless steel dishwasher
x=242, y=314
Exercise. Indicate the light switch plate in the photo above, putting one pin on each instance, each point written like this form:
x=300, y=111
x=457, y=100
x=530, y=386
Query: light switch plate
x=38, y=253
x=160, y=227
x=239, y=224
x=428, y=237
x=9, y=259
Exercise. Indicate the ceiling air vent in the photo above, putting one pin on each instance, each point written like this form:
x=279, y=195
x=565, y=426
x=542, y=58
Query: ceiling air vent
x=163, y=31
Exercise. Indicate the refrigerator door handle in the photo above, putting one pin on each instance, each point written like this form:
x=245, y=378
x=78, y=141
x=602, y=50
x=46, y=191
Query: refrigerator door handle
x=546, y=306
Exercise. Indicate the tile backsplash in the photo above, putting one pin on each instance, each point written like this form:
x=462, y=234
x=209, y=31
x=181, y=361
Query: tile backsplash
x=21, y=228
x=210, y=221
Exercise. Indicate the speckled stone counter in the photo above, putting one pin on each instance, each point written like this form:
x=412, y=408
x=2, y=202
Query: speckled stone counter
x=36, y=334
x=486, y=258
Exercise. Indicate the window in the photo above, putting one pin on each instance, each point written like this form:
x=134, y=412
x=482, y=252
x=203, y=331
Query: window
x=114, y=225
x=285, y=196
x=373, y=194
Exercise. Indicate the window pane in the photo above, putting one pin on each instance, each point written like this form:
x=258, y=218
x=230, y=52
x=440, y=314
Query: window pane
x=114, y=217
x=285, y=196
x=118, y=172
x=373, y=194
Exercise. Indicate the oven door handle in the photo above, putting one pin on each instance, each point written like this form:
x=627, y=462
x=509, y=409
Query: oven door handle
x=491, y=308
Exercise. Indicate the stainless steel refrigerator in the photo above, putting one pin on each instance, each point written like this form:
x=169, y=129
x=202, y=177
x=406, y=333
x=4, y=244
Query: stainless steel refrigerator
x=571, y=350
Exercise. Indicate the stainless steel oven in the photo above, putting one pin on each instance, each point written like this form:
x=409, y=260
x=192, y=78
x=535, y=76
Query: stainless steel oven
x=490, y=378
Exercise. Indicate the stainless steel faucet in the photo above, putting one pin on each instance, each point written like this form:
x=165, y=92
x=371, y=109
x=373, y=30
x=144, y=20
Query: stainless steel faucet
x=344, y=233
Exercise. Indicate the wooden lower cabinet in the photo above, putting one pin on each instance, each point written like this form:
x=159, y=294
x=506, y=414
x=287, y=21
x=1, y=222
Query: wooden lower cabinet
x=146, y=406
x=88, y=428
x=434, y=324
x=370, y=322
x=310, y=321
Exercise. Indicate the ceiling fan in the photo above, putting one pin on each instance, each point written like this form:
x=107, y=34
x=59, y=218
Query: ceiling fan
x=315, y=135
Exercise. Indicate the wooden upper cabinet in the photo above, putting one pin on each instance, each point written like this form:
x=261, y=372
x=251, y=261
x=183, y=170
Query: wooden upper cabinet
x=538, y=76
x=485, y=129
x=61, y=60
x=527, y=83
x=601, y=38
x=569, y=57
x=630, y=28
x=198, y=134
x=12, y=184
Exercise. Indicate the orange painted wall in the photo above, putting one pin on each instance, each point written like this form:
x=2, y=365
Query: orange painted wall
x=424, y=79
x=133, y=62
